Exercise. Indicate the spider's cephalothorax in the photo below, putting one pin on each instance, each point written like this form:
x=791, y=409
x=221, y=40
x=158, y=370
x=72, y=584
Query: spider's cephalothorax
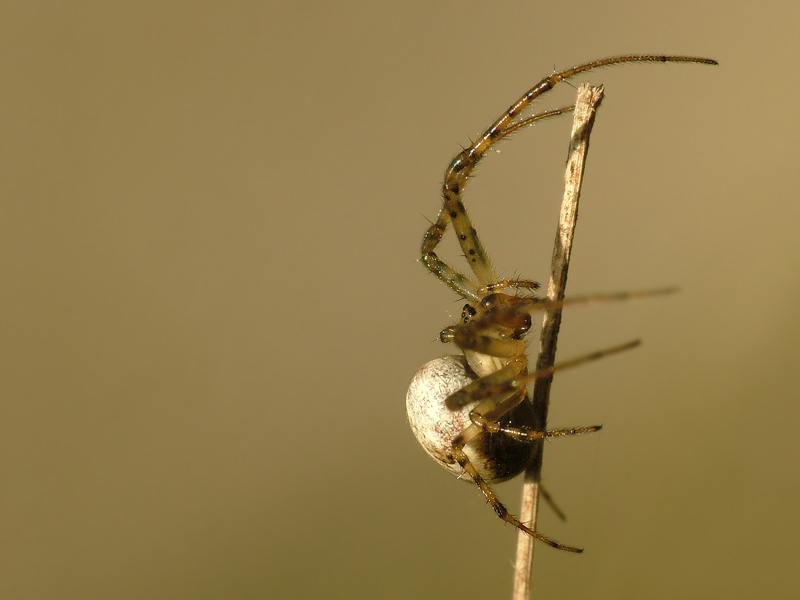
x=470, y=411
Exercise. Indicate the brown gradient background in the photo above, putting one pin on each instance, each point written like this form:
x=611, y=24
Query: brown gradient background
x=212, y=305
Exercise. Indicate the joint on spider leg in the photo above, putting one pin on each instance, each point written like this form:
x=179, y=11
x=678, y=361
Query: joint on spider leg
x=461, y=161
x=457, y=282
x=432, y=262
x=500, y=510
x=487, y=425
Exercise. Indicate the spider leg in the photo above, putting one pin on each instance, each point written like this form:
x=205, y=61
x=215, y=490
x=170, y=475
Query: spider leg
x=579, y=360
x=552, y=503
x=459, y=283
x=470, y=338
x=454, y=210
x=531, y=120
x=499, y=508
x=490, y=424
x=493, y=376
x=505, y=121
x=493, y=405
x=499, y=310
x=465, y=162
x=504, y=284
x=532, y=304
x=491, y=390
x=500, y=392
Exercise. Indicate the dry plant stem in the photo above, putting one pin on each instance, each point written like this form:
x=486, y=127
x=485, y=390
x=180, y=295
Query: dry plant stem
x=585, y=109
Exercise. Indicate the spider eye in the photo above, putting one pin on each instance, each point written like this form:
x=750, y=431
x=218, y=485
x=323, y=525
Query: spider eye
x=467, y=313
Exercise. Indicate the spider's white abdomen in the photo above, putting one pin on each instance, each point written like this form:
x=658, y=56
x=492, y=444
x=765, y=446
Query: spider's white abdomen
x=433, y=424
x=496, y=457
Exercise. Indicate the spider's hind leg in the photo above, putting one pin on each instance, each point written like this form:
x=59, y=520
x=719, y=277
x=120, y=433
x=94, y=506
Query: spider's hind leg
x=499, y=508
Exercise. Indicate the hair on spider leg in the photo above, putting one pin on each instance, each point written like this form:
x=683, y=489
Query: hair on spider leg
x=471, y=411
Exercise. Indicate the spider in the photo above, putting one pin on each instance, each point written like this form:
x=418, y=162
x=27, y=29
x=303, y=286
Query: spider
x=470, y=412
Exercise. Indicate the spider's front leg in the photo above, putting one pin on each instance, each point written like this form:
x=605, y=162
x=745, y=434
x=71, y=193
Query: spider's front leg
x=462, y=166
x=455, y=180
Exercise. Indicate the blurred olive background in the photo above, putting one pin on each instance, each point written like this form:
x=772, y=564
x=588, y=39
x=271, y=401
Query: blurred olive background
x=212, y=304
